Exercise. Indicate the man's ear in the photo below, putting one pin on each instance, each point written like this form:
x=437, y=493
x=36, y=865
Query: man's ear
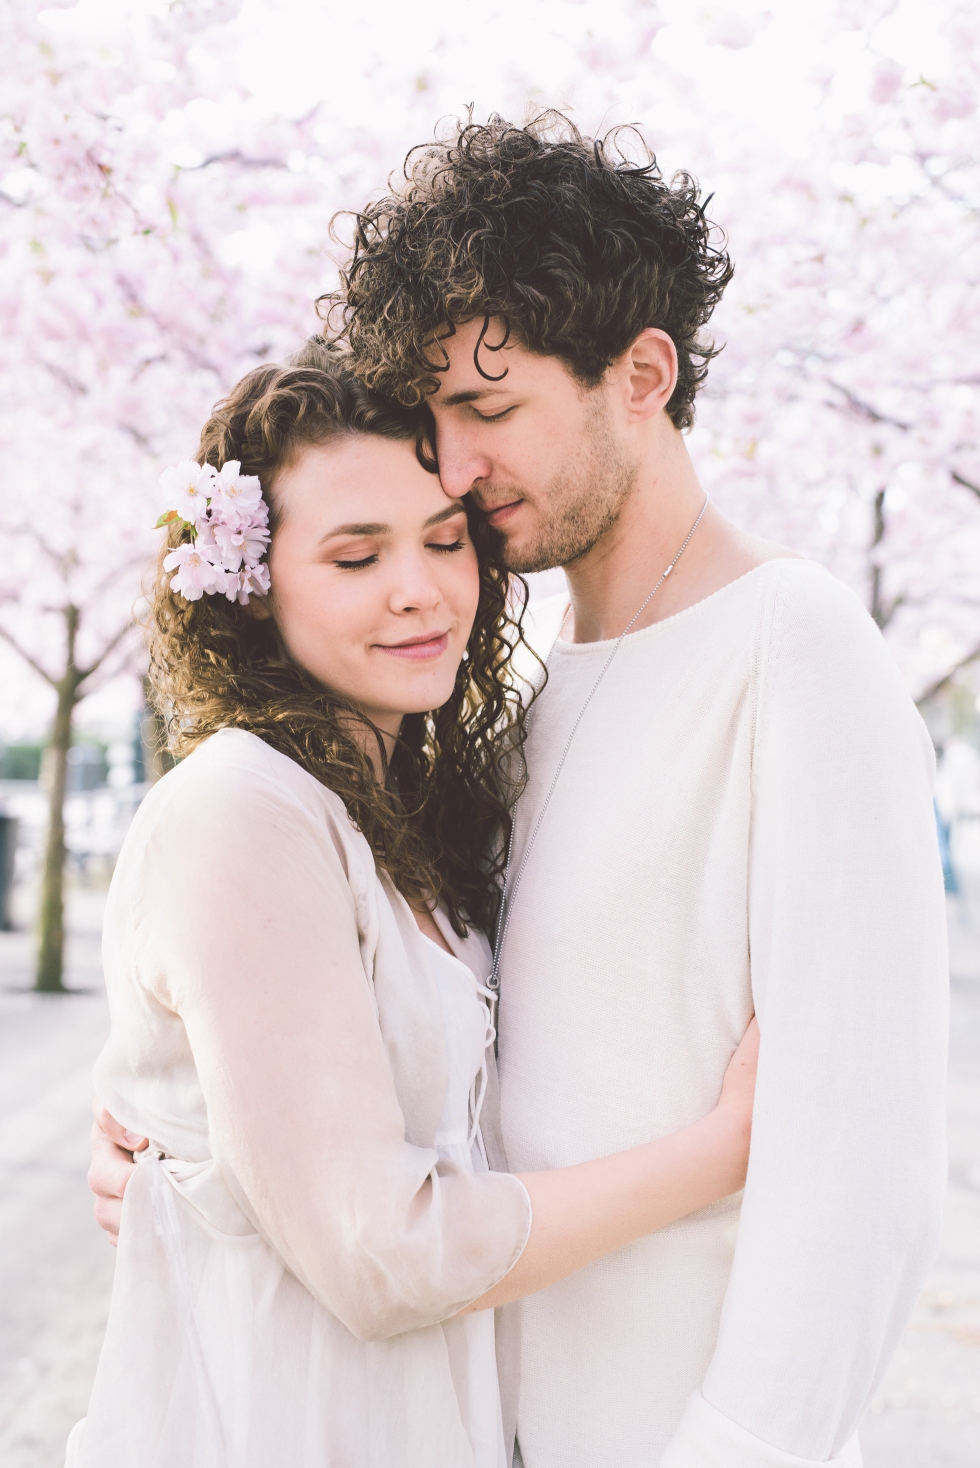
x=648, y=371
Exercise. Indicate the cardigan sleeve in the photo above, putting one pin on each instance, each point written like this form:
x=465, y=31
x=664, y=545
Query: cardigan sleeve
x=842, y=1210
x=248, y=930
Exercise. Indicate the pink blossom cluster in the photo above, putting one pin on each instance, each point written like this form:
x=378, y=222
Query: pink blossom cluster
x=228, y=521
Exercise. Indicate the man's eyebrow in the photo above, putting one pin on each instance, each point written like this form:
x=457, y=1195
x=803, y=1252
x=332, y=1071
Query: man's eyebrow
x=472, y=396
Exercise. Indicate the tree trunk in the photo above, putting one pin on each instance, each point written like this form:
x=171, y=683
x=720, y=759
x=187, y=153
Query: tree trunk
x=881, y=609
x=51, y=916
x=153, y=731
x=877, y=607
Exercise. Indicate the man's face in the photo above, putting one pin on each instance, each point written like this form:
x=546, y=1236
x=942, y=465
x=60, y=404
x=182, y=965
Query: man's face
x=546, y=459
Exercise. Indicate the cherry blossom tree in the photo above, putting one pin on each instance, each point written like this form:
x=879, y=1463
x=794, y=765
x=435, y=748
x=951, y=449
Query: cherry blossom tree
x=123, y=317
x=843, y=415
x=846, y=411
x=169, y=170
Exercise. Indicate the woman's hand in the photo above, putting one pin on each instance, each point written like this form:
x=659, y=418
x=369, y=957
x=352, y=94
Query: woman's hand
x=738, y=1087
x=112, y=1167
x=582, y=1212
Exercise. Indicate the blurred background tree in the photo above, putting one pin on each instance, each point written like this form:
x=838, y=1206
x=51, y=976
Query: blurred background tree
x=121, y=324
x=168, y=171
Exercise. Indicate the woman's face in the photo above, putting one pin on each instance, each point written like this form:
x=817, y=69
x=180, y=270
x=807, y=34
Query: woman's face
x=375, y=580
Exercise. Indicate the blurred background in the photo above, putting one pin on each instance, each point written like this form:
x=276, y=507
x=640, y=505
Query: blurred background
x=169, y=170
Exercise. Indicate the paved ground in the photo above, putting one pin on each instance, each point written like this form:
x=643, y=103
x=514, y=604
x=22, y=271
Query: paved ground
x=56, y=1271
x=927, y=1412
x=55, y=1268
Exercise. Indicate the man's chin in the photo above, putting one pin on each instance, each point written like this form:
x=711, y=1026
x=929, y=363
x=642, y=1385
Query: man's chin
x=524, y=564
x=529, y=552
x=526, y=558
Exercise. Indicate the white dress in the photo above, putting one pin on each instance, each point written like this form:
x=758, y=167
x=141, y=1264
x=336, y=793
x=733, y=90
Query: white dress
x=315, y=1207
x=469, y=1338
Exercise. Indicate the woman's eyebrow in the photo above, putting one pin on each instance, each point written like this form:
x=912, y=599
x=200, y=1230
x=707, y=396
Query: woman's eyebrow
x=458, y=508
x=376, y=528
x=373, y=529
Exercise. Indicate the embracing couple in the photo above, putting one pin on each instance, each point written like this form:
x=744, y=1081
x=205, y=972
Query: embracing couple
x=408, y=1202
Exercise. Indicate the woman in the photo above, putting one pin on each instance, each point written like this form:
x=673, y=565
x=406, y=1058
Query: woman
x=295, y=953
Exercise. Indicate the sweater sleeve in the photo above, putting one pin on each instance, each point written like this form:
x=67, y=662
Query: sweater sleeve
x=248, y=930
x=842, y=1210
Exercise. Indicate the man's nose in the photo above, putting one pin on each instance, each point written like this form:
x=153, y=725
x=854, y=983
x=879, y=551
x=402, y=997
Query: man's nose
x=462, y=464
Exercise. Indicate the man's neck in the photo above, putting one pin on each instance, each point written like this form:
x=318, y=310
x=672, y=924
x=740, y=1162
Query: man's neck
x=608, y=585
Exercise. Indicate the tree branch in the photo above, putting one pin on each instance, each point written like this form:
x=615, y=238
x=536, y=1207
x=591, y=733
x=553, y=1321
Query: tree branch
x=888, y=612
x=85, y=673
x=234, y=155
x=941, y=683
x=865, y=409
x=73, y=384
x=9, y=638
x=966, y=483
x=138, y=438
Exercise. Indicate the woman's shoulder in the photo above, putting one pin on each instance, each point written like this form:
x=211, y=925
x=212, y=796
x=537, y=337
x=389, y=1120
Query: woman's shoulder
x=234, y=781
x=236, y=758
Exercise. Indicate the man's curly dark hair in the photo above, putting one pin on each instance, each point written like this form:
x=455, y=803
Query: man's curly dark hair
x=574, y=245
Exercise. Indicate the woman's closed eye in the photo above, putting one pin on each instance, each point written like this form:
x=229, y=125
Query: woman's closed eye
x=357, y=565
x=362, y=562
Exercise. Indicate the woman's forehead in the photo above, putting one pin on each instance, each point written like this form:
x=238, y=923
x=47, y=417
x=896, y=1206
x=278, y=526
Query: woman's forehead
x=374, y=478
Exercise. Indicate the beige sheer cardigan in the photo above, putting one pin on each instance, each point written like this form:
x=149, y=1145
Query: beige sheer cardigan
x=277, y=1032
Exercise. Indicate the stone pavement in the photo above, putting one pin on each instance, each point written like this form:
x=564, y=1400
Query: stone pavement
x=926, y=1414
x=56, y=1270
x=55, y=1267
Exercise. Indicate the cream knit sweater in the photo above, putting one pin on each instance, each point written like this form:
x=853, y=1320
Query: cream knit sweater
x=744, y=821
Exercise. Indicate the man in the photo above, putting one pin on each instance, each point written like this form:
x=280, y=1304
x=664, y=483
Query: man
x=727, y=810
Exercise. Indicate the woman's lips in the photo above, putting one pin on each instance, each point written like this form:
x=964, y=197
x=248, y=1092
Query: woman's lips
x=418, y=649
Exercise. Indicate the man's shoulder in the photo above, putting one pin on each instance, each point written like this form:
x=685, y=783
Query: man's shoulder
x=809, y=599
x=797, y=584
x=822, y=651
x=753, y=551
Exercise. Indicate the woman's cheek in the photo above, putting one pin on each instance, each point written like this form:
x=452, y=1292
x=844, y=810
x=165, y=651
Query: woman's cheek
x=311, y=622
x=467, y=591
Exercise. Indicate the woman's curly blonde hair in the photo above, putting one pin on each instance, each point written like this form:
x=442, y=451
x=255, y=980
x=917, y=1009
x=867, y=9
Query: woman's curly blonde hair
x=438, y=821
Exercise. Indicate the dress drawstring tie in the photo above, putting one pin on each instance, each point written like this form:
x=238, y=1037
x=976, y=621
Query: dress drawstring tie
x=478, y=1090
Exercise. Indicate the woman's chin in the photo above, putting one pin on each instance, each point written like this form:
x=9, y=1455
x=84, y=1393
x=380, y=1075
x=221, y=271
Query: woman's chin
x=429, y=694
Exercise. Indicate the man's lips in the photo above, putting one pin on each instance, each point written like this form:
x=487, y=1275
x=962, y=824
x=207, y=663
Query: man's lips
x=417, y=649
x=500, y=514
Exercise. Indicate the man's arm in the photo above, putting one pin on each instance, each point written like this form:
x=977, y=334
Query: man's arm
x=842, y=1209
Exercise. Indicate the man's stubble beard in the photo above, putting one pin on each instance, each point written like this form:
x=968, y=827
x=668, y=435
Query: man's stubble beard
x=583, y=501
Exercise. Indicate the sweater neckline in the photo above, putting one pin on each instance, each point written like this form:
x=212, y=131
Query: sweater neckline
x=578, y=649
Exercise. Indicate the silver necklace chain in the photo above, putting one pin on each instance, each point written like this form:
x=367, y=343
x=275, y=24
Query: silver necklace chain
x=508, y=898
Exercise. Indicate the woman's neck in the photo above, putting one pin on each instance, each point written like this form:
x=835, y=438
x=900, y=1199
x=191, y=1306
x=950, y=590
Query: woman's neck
x=373, y=731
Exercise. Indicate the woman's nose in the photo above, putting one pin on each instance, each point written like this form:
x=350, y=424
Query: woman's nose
x=415, y=589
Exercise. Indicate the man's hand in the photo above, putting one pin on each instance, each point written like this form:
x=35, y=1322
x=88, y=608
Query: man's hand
x=112, y=1167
